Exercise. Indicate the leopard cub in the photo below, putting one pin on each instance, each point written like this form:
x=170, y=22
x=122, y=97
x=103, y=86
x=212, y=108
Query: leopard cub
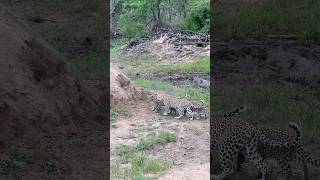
x=197, y=111
x=172, y=104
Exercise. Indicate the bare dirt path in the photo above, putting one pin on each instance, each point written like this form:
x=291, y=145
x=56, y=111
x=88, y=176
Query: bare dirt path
x=190, y=152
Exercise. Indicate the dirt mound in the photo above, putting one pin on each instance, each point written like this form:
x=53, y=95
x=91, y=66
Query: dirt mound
x=121, y=88
x=38, y=94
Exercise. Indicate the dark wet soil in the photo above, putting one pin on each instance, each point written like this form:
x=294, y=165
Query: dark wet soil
x=185, y=79
x=267, y=61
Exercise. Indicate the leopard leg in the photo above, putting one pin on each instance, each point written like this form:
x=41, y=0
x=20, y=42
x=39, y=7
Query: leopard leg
x=283, y=160
x=167, y=110
x=255, y=157
x=240, y=160
x=191, y=116
x=180, y=112
x=227, y=154
x=155, y=108
x=179, y=117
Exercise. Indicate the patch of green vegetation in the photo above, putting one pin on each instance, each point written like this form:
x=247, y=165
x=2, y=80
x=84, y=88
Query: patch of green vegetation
x=274, y=17
x=161, y=137
x=12, y=165
x=141, y=177
x=165, y=137
x=137, y=166
x=138, y=128
x=142, y=164
x=199, y=16
x=145, y=143
x=113, y=115
x=92, y=65
x=195, y=94
x=155, y=85
x=116, y=43
x=273, y=104
x=200, y=65
x=151, y=127
x=116, y=171
x=125, y=152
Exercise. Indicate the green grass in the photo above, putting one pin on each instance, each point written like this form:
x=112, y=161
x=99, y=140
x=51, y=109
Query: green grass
x=161, y=137
x=141, y=164
x=18, y=161
x=92, y=65
x=148, y=65
x=165, y=137
x=273, y=105
x=116, y=112
x=125, y=152
x=12, y=165
x=134, y=164
x=195, y=94
x=113, y=115
x=145, y=143
x=137, y=164
x=116, y=170
x=199, y=65
x=299, y=17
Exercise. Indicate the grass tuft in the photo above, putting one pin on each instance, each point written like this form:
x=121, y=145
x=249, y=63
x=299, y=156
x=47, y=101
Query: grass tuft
x=165, y=137
x=200, y=65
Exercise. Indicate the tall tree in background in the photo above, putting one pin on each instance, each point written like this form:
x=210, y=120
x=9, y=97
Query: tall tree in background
x=140, y=17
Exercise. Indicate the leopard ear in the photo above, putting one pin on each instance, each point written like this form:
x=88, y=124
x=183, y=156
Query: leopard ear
x=202, y=102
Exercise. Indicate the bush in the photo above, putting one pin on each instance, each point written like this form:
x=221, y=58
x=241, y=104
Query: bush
x=199, y=17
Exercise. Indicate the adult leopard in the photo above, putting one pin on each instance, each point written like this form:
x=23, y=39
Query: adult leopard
x=231, y=135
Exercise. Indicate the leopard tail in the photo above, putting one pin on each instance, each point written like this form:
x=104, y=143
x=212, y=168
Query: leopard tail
x=297, y=130
x=304, y=155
